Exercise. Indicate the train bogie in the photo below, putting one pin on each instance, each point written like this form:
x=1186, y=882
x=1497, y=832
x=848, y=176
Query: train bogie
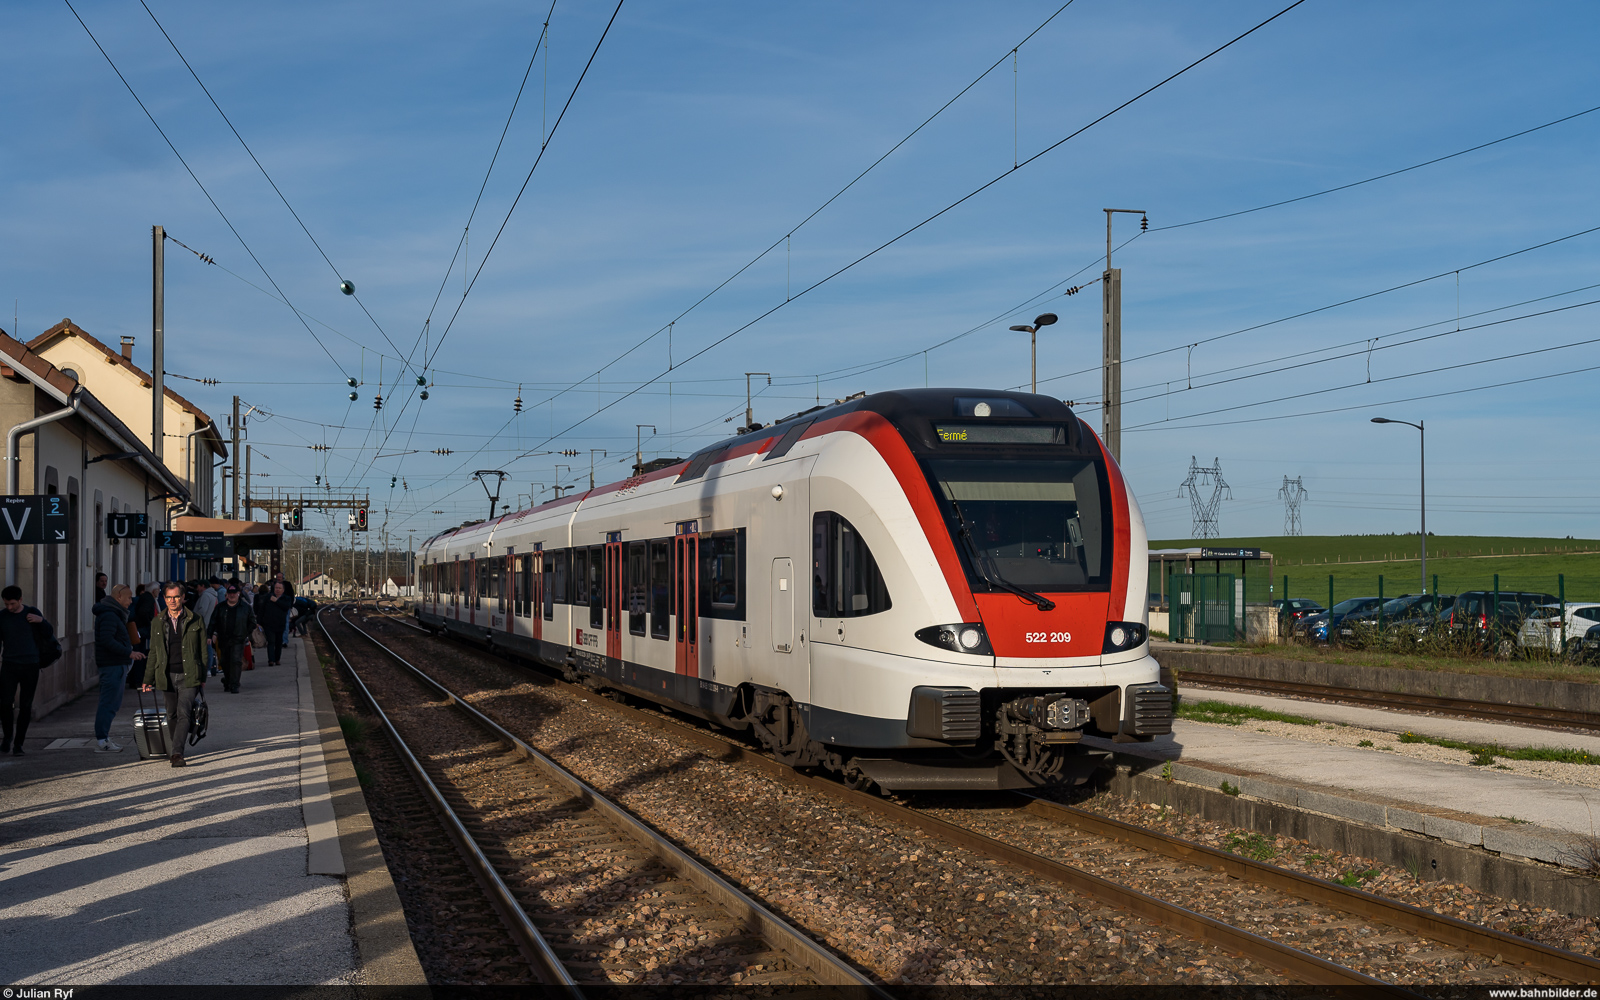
x=897, y=588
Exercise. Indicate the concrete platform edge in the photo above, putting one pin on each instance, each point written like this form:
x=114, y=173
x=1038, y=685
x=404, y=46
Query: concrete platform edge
x=377, y=920
x=1532, y=866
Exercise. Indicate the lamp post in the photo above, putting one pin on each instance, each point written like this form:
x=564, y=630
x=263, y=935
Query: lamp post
x=1422, y=440
x=1043, y=319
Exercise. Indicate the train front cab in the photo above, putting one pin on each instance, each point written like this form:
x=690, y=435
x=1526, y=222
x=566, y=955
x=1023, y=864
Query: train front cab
x=1007, y=544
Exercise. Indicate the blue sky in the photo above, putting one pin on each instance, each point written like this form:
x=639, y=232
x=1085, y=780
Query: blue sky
x=704, y=133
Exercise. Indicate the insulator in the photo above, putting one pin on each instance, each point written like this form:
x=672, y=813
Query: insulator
x=377, y=402
x=1144, y=224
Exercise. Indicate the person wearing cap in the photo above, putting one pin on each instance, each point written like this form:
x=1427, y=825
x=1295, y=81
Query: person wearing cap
x=204, y=605
x=231, y=625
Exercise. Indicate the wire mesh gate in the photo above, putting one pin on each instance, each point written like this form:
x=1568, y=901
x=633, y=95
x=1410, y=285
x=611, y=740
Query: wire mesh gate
x=1206, y=607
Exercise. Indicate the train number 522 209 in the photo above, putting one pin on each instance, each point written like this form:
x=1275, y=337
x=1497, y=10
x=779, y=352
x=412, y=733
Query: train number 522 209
x=1049, y=636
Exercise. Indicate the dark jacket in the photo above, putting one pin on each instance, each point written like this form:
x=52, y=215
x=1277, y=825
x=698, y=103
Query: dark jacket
x=194, y=651
x=23, y=648
x=144, y=609
x=112, y=647
x=232, y=624
x=273, y=614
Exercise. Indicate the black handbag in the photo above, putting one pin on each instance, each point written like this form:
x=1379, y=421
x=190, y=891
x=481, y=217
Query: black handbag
x=199, y=718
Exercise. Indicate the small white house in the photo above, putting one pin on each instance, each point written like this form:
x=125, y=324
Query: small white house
x=320, y=586
x=398, y=587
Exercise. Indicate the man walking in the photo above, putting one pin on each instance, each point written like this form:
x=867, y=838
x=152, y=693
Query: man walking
x=231, y=625
x=21, y=628
x=272, y=611
x=176, y=663
x=114, y=655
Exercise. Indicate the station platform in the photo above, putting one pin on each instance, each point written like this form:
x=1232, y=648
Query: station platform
x=254, y=865
x=1514, y=814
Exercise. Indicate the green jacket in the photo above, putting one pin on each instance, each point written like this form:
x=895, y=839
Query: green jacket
x=194, y=650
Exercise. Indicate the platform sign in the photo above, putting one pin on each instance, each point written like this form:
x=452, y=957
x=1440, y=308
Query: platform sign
x=204, y=545
x=127, y=524
x=34, y=520
x=1230, y=553
x=169, y=539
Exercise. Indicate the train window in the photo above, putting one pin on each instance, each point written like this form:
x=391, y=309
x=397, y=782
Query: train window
x=638, y=586
x=722, y=574
x=550, y=584
x=597, y=604
x=1035, y=525
x=525, y=585
x=580, y=579
x=846, y=580
x=561, y=581
x=660, y=588
x=500, y=586
x=790, y=437
x=699, y=464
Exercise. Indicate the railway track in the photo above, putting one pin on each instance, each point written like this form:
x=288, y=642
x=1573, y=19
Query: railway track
x=1538, y=715
x=1508, y=955
x=589, y=893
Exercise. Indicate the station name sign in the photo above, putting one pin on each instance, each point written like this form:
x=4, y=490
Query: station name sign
x=1230, y=553
x=34, y=520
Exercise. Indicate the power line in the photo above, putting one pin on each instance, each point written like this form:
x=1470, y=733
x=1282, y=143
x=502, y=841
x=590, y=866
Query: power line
x=134, y=94
x=948, y=208
x=1378, y=177
x=257, y=162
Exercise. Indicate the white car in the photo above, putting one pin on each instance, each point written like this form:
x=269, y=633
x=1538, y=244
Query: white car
x=1542, y=627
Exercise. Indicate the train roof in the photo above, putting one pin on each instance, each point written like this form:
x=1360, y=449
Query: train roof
x=900, y=406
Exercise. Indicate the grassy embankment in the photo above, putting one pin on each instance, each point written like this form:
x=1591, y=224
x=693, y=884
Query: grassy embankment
x=1461, y=562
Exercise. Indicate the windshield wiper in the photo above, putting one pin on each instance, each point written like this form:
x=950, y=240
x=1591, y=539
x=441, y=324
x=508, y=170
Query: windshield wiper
x=986, y=568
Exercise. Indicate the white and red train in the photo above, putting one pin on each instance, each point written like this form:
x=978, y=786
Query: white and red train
x=931, y=588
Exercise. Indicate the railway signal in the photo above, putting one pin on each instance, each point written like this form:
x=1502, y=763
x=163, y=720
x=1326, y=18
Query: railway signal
x=297, y=519
x=358, y=520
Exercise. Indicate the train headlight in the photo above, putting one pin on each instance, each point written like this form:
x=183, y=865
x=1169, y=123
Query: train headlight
x=961, y=637
x=1123, y=635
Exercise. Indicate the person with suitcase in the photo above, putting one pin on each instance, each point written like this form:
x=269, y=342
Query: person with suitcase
x=231, y=625
x=27, y=645
x=177, y=663
x=114, y=656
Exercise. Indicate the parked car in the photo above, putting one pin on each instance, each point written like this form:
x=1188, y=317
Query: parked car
x=1587, y=649
x=1491, y=620
x=1542, y=627
x=1293, y=609
x=1344, y=609
x=1414, y=613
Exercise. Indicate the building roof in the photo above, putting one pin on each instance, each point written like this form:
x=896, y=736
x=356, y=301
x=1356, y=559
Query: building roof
x=21, y=363
x=312, y=576
x=67, y=328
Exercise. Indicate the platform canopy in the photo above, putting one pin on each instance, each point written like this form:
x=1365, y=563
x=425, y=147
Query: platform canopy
x=242, y=536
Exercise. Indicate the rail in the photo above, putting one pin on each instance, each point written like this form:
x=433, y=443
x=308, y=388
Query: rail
x=805, y=953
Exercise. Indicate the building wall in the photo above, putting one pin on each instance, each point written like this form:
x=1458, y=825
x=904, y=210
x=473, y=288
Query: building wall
x=128, y=397
x=59, y=579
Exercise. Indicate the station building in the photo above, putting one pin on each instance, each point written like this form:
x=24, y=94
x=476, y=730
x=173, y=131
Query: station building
x=89, y=455
x=193, y=445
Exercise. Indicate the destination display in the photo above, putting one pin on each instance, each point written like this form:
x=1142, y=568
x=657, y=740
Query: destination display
x=204, y=544
x=127, y=524
x=1001, y=433
x=1230, y=553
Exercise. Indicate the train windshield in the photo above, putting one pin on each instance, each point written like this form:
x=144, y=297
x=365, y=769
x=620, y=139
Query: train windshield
x=1040, y=526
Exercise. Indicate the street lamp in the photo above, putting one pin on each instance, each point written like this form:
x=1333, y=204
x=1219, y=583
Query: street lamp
x=1043, y=319
x=1422, y=439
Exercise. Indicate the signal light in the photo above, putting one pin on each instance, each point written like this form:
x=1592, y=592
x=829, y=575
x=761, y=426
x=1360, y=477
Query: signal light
x=423, y=394
x=361, y=519
x=351, y=382
x=296, y=519
x=354, y=396
x=422, y=380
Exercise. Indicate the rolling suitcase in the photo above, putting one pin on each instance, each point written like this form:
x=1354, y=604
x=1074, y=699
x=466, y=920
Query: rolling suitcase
x=151, y=734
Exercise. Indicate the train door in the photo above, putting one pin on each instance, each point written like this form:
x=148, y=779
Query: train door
x=686, y=597
x=783, y=589
x=511, y=589
x=472, y=590
x=614, y=583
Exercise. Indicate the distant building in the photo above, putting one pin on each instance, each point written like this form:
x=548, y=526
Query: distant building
x=398, y=587
x=320, y=586
x=100, y=467
x=124, y=389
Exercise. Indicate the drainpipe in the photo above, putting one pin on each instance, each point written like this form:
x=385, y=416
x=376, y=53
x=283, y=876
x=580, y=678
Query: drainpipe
x=12, y=461
x=194, y=460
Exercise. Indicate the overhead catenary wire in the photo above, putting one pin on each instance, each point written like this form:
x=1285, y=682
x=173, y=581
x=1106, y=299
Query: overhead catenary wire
x=950, y=207
x=253, y=159
x=194, y=177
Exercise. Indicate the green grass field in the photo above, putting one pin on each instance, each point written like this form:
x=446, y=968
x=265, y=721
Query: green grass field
x=1461, y=562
